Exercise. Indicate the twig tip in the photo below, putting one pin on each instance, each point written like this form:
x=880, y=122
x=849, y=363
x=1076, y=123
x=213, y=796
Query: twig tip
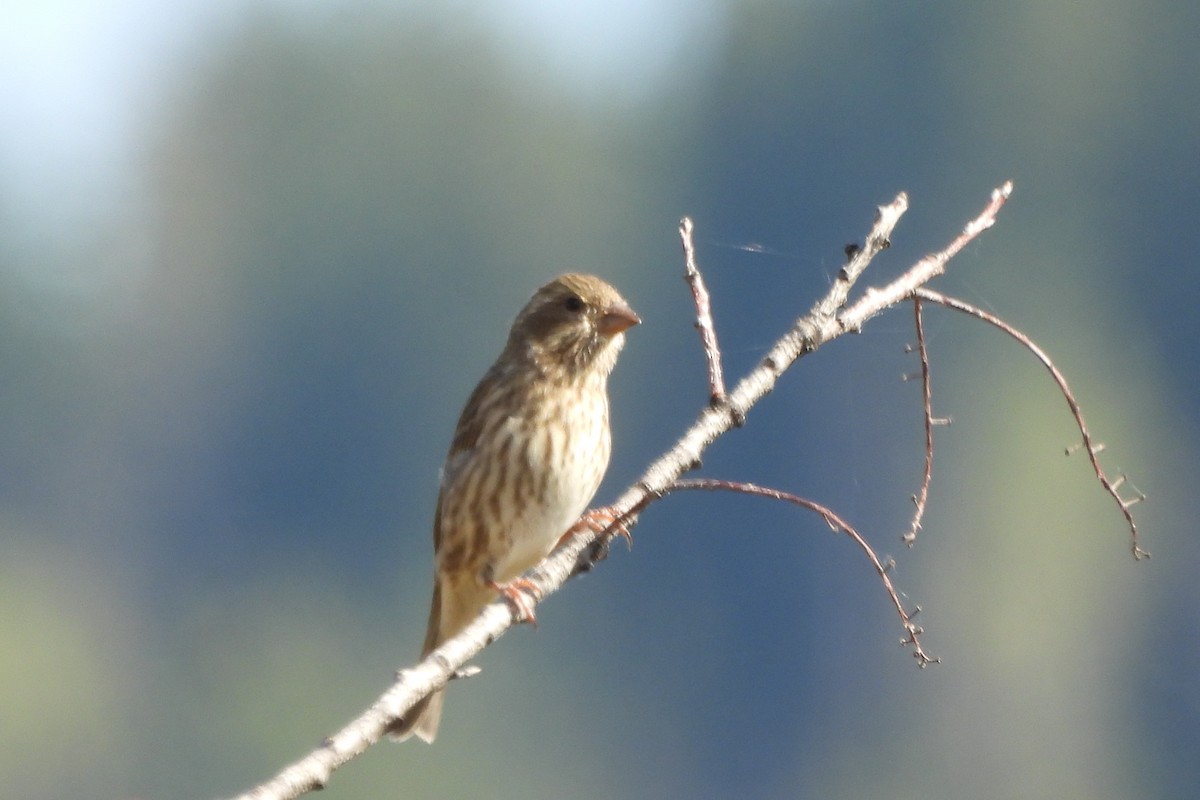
x=469, y=671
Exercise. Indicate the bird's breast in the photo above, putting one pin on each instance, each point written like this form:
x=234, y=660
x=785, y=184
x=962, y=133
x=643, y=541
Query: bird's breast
x=557, y=459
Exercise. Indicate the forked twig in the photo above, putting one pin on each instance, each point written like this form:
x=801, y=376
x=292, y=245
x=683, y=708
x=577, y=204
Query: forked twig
x=1111, y=487
x=875, y=301
x=911, y=629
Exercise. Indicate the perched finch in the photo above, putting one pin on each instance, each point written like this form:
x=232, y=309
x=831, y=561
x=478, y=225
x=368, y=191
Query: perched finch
x=528, y=454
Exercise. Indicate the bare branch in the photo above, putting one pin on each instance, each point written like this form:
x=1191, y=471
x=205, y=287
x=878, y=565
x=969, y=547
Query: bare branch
x=922, y=496
x=1092, y=449
x=827, y=320
x=444, y=664
x=912, y=631
x=925, y=270
x=704, y=320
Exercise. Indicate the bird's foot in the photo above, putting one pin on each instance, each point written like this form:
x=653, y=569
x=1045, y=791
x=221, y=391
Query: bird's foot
x=517, y=592
x=599, y=520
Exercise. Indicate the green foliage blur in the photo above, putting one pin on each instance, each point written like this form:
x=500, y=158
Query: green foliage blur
x=229, y=379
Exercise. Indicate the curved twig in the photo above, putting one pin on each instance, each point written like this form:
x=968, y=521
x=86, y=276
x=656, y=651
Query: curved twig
x=921, y=498
x=912, y=630
x=1093, y=449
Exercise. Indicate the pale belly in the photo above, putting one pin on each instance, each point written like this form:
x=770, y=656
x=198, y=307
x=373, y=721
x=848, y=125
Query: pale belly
x=570, y=483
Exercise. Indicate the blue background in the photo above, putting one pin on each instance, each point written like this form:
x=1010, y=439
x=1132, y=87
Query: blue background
x=253, y=257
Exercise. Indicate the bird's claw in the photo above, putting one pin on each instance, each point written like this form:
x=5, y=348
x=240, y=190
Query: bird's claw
x=517, y=593
x=599, y=520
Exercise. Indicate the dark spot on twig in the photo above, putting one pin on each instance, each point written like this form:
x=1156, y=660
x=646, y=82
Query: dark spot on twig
x=851, y=250
x=597, y=552
x=736, y=415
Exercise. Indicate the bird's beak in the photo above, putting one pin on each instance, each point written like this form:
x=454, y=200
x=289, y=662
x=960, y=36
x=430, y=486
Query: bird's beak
x=618, y=317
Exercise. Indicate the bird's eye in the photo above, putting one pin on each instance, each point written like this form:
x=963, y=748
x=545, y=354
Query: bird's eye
x=574, y=304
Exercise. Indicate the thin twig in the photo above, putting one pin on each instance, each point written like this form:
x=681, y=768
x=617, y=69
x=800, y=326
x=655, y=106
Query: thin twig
x=1092, y=449
x=922, y=496
x=704, y=319
x=911, y=629
x=875, y=301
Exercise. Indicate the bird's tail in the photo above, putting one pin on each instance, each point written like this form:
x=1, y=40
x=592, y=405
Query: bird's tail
x=457, y=599
x=423, y=718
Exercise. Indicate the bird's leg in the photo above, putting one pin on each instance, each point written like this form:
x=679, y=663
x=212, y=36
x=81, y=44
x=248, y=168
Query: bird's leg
x=599, y=520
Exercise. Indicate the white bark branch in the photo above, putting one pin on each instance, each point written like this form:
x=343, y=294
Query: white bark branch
x=827, y=320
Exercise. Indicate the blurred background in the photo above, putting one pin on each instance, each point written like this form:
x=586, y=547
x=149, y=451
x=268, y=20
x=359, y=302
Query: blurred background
x=254, y=255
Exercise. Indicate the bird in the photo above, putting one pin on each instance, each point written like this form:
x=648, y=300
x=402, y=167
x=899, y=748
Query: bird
x=527, y=456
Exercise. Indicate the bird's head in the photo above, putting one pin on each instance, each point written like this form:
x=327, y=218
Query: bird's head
x=575, y=321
